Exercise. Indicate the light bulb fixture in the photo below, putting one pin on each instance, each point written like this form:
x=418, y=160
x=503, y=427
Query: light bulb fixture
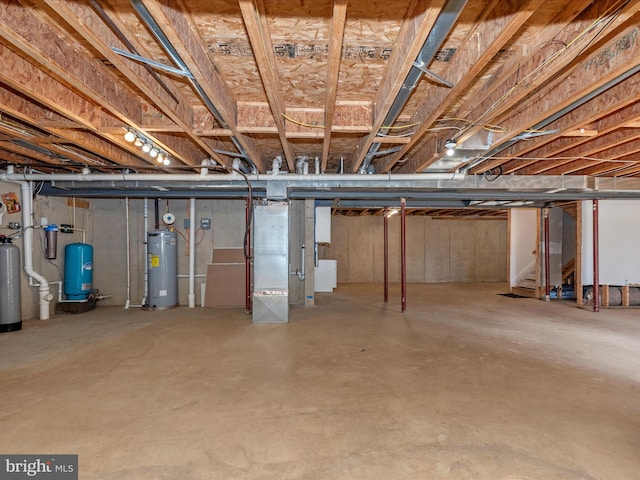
x=450, y=145
x=166, y=161
x=129, y=136
x=153, y=153
x=161, y=157
x=146, y=148
x=138, y=142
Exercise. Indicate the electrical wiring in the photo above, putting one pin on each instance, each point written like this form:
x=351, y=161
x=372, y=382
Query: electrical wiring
x=395, y=136
x=310, y=125
x=547, y=159
x=487, y=126
x=399, y=127
x=612, y=13
x=247, y=228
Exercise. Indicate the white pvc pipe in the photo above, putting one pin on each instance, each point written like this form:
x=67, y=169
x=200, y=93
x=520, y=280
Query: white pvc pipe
x=146, y=252
x=44, y=292
x=127, y=304
x=217, y=178
x=192, y=253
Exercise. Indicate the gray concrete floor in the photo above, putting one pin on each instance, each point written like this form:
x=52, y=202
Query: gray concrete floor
x=467, y=384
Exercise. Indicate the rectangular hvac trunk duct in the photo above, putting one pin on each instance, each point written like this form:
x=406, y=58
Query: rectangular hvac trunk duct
x=271, y=263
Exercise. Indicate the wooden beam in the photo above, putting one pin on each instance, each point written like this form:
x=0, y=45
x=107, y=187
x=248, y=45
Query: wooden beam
x=24, y=77
x=591, y=148
x=254, y=16
x=336, y=36
x=620, y=53
x=29, y=153
x=505, y=107
x=349, y=117
x=580, y=132
x=30, y=113
x=84, y=20
x=497, y=26
x=31, y=35
x=14, y=158
x=605, y=113
x=413, y=33
x=180, y=32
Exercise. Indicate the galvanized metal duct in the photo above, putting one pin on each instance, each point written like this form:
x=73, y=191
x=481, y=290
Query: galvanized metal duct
x=552, y=118
x=175, y=56
x=441, y=28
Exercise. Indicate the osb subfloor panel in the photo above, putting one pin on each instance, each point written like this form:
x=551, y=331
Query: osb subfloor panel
x=466, y=384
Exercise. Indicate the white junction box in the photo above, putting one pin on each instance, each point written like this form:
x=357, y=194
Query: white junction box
x=326, y=276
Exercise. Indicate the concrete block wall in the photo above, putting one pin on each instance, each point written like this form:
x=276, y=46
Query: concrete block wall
x=109, y=230
x=438, y=250
x=57, y=211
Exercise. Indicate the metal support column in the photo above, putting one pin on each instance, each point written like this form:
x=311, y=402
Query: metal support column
x=386, y=255
x=596, y=260
x=547, y=263
x=403, y=251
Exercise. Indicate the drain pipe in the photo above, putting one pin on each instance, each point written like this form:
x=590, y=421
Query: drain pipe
x=192, y=253
x=596, y=260
x=386, y=255
x=441, y=28
x=547, y=263
x=403, y=251
x=44, y=292
x=127, y=304
x=146, y=243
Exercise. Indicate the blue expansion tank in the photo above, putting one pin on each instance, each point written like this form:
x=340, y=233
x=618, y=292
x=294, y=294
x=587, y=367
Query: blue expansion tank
x=78, y=271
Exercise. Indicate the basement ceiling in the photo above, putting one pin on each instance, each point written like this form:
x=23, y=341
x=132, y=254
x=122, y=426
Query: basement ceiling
x=521, y=87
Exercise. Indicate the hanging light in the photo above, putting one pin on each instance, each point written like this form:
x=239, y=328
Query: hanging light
x=153, y=152
x=146, y=148
x=138, y=142
x=129, y=136
x=161, y=157
x=450, y=145
x=166, y=161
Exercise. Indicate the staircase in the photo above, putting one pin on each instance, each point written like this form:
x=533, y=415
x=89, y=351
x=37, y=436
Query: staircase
x=526, y=284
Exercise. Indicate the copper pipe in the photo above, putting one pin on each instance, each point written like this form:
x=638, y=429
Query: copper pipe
x=596, y=260
x=547, y=274
x=386, y=256
x=403, y=251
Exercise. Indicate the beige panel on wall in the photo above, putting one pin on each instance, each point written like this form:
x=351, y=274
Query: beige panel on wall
x=436, y=248
x=415, y=249
x=361, y=255
x=487, y=239
x=462, y=251
x=339, y=248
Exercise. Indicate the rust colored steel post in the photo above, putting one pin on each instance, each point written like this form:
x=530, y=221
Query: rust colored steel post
x=386, y=256
x=403, y=253
x=547, y=275
x=247, y=262
x=596, y=260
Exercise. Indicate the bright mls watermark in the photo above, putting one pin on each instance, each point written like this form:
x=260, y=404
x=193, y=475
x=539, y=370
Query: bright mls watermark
x=49, y=467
